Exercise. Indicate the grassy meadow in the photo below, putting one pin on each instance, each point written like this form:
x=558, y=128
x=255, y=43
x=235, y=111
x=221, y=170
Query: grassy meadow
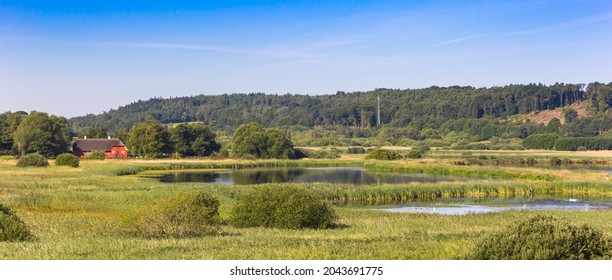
x=84, y=213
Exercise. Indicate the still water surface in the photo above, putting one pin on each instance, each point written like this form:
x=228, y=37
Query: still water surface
x=466, y=206
x=362, y=176
x=337, y=175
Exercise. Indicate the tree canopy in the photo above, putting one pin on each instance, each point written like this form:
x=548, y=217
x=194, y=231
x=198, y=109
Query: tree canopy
x=149, y=139
x=420, y=108
x=194, y=140
x=40, y=133
x=252, y=139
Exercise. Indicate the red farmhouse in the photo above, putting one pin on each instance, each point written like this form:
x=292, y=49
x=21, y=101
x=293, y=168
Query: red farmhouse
x=112, y=147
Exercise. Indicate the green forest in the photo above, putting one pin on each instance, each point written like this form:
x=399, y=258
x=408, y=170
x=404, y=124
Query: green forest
x=455, y=117
x=419, y=108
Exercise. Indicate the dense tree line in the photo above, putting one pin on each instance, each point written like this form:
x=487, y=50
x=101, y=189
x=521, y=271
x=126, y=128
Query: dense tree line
x=438, y=116
x=22, y=133
x=37, y=132
x=8, y=124
x=153, y=140
x=416, y=107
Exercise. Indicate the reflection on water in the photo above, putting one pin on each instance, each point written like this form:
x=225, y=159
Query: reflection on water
x=460, y=207
x=339, y=175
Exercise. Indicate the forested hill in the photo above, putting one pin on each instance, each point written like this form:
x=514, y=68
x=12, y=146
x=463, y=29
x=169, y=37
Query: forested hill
x=416, y=107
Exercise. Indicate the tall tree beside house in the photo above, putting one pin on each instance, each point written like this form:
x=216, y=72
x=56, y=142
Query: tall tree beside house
x=8, y=124
x=149, y=139
x=123, y=135
x=94, y=132
x=194, y=140
x=40, y=133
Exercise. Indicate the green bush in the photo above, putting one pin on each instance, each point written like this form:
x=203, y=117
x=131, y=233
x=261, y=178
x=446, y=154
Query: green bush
x=185, y=215
x=282, y=206
x=543, y=238
x=531, y=161
x=248, y=157
x=67, y=160
x=96, y=155
x=415, y=154
x=544, y=141
x=589, y=143
x=555, y=161
x=418, y=152
x=329, y=154
x=381, y=154
x=222, y=153
x=33, y=160
x=355, y=150
x=12, y=229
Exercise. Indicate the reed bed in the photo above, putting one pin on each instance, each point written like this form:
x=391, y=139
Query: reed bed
x=378, y=194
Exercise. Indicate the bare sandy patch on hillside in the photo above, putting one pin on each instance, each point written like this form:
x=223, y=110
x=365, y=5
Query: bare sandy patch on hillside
x=547, y=115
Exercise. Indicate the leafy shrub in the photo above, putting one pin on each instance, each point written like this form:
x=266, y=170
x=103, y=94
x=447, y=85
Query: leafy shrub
x=188, y=214
x=590, y=143
x=96, y=155
x=555, y=161
x=355, y=150
x=329, y=154
x=540, y=141
x=543, y=238
x=67, y=160
x=415, y=154
x=283, y=206
x=381, y=154
x=248, y=157
x=434, y=143
x=12, y=229
x=531, y=161
x=475, y=161
x=223, y=153
x=418, y=152
x=33, y=160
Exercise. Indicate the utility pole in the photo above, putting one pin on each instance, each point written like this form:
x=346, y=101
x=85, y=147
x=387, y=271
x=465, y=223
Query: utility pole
x=378, y=112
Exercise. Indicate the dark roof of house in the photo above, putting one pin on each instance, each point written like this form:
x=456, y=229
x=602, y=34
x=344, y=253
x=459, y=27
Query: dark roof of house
x=88, y=145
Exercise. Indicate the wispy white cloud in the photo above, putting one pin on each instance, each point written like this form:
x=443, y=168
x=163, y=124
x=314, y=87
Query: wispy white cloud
x=200, y=47
x=565, y=25
x=449, y=42
x=400, y=55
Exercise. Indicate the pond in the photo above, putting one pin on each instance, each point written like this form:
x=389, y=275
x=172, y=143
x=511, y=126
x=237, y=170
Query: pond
x=338, y=175
x=362, y=176
x=471, y=206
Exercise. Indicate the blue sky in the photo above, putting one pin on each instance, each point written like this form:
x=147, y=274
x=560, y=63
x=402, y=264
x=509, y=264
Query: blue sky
x=71, y=58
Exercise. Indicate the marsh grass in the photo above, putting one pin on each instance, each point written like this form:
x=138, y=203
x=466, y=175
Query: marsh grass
x=80, y=213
